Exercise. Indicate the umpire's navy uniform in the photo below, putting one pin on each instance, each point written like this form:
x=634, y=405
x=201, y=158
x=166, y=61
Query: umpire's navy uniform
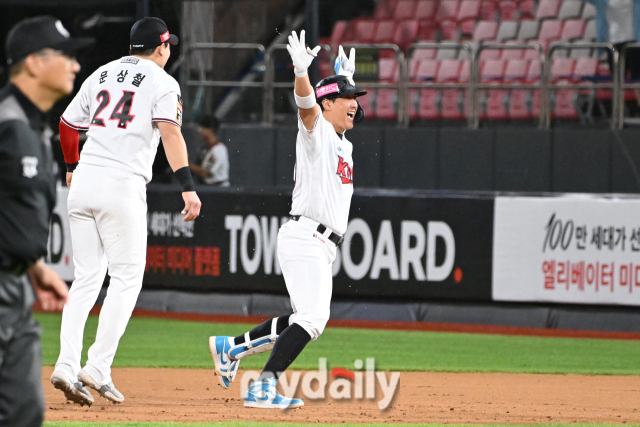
x=27, y=198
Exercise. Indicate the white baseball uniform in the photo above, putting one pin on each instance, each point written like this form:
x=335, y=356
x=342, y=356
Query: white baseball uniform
x=118, y=105
x=322, y=195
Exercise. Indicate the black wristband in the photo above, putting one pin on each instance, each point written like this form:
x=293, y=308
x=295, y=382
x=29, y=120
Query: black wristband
x=184, y=177
x=71, y=167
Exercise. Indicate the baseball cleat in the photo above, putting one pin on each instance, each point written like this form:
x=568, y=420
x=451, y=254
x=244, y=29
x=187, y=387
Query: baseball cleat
x=75, y=392
x=108, y=391
x=263, y=394
x=226, y=366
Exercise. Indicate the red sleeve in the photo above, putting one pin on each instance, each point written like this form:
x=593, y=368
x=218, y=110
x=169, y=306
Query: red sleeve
x=70, y=141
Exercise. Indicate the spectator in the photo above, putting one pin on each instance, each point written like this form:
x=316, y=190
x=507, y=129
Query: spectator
x=214, y=157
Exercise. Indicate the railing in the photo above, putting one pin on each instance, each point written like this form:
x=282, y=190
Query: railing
x=623, y=85
x=474, y=86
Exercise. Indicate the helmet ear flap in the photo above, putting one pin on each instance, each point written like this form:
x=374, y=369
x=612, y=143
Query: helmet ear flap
x=359, y=114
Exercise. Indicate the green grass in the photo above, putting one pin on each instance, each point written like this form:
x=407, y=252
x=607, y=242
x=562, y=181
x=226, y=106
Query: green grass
x=171, y=343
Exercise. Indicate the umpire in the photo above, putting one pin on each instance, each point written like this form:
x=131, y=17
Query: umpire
x=41, y=71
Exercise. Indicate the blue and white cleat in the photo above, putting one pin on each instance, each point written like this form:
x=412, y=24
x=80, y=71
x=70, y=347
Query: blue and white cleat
x=226, y=366
x=263, y=394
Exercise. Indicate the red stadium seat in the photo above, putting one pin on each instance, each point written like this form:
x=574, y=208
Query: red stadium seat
x=384, y=10
x=384, y=31
x=586, y=68
x=508, y=10
x=562, y=70
x=367, y=102
x=426, y=10
x=405, y=9
x=448, y=31
x=364, y=31
x=339, y=29
x=487, y=10
x=427, y=31
x=469, y=9
x=406, y=33
x=547, y=9
x=512, y=53
x=447, y=9
x=573, y=29
x=526, y=9
x=493, y=71
x=516, y=70
x=454, y=101
x=524, y=103
x=428, y=99
x=386, y=102
x=550, y=30
x=417, y=57
x=388, y=70
x=485, y=30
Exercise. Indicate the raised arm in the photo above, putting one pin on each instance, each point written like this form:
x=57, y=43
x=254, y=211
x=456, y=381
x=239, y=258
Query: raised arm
x=302, y=56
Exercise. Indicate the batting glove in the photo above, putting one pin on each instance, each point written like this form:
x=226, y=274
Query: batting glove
x=301, y=56
x=346, y=66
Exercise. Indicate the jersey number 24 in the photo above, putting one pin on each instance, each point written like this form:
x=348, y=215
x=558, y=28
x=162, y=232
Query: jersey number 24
x=121, y=111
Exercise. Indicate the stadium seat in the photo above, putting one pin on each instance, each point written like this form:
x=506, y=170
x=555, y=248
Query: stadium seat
x=383, y=10
x=508, y=31
x=339, y=29
x=562, y=70
x=550, y=30
x=405, y=9
x=570, y=9
x=364, y=31
x=512, y=53
x=486, y=55
x=516, y=70
x=494, y=99
x=427, y=31
x=588, y=11
x=419, y=55
x=586, y=69
x=573, y=29
x=469, y=9
x=524, y=103
x=447, y=10
x=367, y=103
x=448, y=30
x=577, y=53
x=426, y=71
x=526, y=9
x=533, y=54
x=388, y=70
x=508, y=10
x=485, y=30
x=547, y=9
x=487, y=10
x=426, y=10
x=454, y=105
x=406, y=33
x=429, y=99
x=528, y=30
x=386, y=104
x=384, y=31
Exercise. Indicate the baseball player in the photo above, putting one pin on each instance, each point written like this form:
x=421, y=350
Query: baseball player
x=307, y=243
x=125, y=106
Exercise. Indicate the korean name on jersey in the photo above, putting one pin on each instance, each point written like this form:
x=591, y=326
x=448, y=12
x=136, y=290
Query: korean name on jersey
x=117, y=106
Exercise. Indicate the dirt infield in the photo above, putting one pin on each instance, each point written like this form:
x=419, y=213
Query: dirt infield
x=193, y=395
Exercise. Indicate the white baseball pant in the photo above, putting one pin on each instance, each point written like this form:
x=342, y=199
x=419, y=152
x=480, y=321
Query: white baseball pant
x=305, y=257
x=107, y=216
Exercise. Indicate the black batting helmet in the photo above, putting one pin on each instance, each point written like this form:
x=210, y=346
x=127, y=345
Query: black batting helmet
x=337, y=87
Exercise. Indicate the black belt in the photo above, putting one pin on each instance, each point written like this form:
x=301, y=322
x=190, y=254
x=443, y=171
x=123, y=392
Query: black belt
x=334, y=237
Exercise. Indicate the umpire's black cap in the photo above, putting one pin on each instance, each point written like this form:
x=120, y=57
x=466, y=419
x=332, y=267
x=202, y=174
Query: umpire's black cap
x=148, y=33
x=34, y=34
